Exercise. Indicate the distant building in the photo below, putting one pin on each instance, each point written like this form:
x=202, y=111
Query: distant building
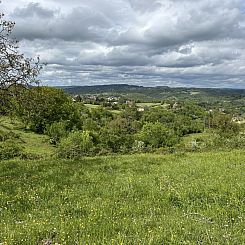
x=140, y=109
x=130, y=103
x=77, y=98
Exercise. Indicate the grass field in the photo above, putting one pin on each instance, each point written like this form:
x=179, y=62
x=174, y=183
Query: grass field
x=37, y=144
x=91, y=106
x=196, y=198
x=149, y=104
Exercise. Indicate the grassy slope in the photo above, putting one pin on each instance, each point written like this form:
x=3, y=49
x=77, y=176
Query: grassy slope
x=31, y=142
x=140, y=199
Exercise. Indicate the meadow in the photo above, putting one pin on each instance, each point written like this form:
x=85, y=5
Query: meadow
x=182, y=198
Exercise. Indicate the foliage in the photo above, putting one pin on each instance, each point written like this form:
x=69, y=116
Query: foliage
x=138, y=146
x=232, y=142
x=56, y=131
x=117, y=135
x=100, y=115
x=225, y=126
x=131, y=113
x=9, y=149
x=42, y=106
x=157, y=135
x=8, y=135
x=159, y=114
x=184, y=125
x=192, y=110
x=77, y=144
x=16, y=70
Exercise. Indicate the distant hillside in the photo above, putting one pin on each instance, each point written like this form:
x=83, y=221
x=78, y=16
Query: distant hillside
x=100, y=88
x=148, y=94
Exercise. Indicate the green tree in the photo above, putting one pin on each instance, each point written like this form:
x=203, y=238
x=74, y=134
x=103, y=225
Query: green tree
x=15, y=70
x=117, y=135
x=157, y=135
x=158, y=114
x=42, y=106
x=225, y=126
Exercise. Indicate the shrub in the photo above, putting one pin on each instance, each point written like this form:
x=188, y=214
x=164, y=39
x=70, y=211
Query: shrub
x=138, y=146
x=56, y=131
x=226, y=128
x=9, y=150
x=8, y=135
x=117, y=135
x=115, y=141
x=234, y=142
x=30, y=156
x=156, y=135
x=77, y=144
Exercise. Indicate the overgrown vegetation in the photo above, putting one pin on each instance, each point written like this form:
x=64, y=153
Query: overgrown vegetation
x=52, y=112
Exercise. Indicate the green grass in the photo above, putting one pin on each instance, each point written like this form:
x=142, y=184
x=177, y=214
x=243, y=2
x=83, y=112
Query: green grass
x=196, y=198
x=31, y=142
x=37, y=144
x=116, y=111
x=148, y=104
x=91, y=106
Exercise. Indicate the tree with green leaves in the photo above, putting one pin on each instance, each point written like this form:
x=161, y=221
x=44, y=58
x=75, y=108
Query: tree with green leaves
x=225, y=127
x=39, y=107
x=157, y=135
x=15, y=70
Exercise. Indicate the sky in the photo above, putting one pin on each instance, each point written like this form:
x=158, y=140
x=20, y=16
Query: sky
x=192, y=43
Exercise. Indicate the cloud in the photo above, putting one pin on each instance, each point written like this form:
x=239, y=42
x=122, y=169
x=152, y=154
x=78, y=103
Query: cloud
x=174, y=42
x=81, y=24
x=33, y=10
x=176, y=23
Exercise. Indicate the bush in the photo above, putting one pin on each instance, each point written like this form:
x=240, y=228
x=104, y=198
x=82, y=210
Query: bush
x=76, y=145
x=30, y=156
x=117, y=135
x=213, y=142
x=156, y=135
x=8, y=135
x=56, y=131
x=234, y=142
x=226, y=128
x=9, y=150
x=138, y=146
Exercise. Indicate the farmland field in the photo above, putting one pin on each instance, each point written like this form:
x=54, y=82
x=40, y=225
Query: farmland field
x=148, y=104
x=91, y=106
x=140, y=199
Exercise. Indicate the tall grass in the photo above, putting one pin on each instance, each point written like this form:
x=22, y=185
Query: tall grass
x=141, y=199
